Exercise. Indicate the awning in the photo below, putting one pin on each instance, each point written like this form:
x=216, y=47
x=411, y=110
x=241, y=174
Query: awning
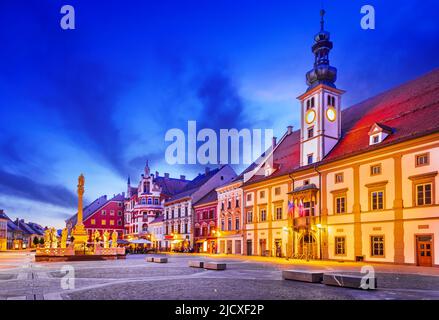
x=140, y=241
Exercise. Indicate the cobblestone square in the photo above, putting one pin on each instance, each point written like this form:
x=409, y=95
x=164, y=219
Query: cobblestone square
x=246, y=278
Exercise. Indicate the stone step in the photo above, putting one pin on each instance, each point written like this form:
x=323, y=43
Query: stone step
x=214, y=266
x=196, y=264
x=349, y=281
x=302, y=275
x=150, y=259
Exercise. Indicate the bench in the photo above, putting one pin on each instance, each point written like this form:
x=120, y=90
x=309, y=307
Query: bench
x=196, y=264
x=161, y=260
x=304, y=276
x=349, y=281
x=150, y=259
x=214, y=266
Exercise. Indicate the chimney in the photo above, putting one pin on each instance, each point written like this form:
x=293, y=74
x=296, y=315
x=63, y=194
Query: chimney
x=156, y=174
x=182, y=177
x=290, y=130
x=166, y=175
x=206, y=170
x=274, y=142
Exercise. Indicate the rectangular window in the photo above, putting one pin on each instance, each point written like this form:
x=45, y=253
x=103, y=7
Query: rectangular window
x=340, y=246
x=249, y=197
x=262, y=194
x=229, y=224
x=423, y=194
x=111, y=212
x=222, y=206
x=119, y=213
x=375, y=170
x=229, y=204
x=104, y=212
x=93, y=221
x=377, y=200
x=119, y=222
x=422, y=159
x=249, y=217
x=237, y=224
x=310, y=132
x=103, y=222
x=111, y=222
x=263, y=215
x=277, y=191
x=237, y=203
x=340, y=204
x=377, y=246
x=339, y=177
x=279, y=213
x=310, y=158
x=222, y=225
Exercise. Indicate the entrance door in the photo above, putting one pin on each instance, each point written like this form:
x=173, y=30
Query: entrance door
x=229, y=246
x=249, y=247
x=237, y=246
x=278, y=247
x=263, y=245
x=424, y=250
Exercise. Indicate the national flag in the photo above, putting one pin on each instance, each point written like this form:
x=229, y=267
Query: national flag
x=290, y=209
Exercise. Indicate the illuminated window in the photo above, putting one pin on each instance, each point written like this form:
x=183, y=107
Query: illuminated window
x=249, y=216
x=277, y=191
x=377, y=246
x=340, y=246
x=111, y=212
x=424, y=194
x=422, y=159
x=111, y=222
x=279, y=213
x=377, y=200
x=340, y=204
x=93, y=221
x=375, y=170
x=103, y=222
x=339, y=177
x=263, y=215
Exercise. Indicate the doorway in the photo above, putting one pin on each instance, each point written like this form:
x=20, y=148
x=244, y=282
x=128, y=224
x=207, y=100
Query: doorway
x=424, y=250
x=308, y=246
x=249, y=247
x=278, y=247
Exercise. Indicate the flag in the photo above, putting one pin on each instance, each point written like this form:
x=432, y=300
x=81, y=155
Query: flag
x=301, y=211
x=290, y=209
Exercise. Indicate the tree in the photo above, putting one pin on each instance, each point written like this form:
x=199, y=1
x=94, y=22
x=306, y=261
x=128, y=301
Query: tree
x=36, y=241
x=42, y=241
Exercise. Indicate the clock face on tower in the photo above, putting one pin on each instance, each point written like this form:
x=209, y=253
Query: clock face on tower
x=310, y=116
x=331, y=114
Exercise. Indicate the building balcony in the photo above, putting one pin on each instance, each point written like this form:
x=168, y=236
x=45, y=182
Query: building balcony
x=305, y=222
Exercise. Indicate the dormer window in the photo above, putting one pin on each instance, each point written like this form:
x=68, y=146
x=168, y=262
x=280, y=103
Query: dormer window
x=378, y=133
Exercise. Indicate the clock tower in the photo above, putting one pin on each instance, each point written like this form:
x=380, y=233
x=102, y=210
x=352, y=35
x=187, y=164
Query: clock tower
x=320, y=104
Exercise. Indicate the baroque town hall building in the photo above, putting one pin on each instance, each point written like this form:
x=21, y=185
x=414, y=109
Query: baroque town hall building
x=352, y=184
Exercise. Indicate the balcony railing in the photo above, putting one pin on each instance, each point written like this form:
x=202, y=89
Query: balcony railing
x=305, y=222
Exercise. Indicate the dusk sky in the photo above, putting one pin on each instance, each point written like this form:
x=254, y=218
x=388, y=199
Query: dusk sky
x=99, y=99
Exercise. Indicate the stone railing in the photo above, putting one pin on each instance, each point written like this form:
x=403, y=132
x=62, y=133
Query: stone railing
x=58, y=252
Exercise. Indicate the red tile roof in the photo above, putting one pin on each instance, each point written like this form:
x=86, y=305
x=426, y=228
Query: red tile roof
x=410, y=110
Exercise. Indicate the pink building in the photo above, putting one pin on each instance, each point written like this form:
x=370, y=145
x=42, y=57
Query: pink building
x=205, y=218
x=102, y=215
